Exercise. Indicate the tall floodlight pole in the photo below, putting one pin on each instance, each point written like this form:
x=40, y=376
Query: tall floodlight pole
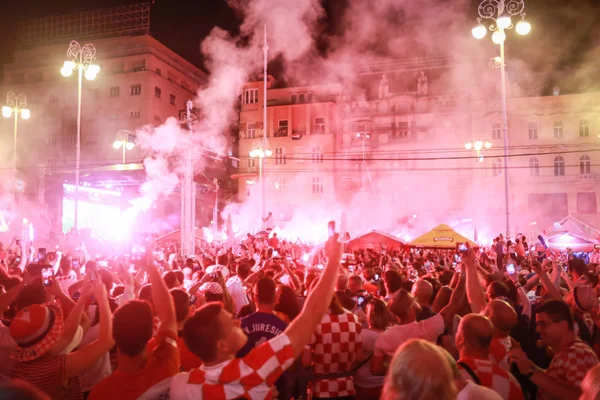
x=16, y=104
x=500, y=13
x=188, y=192
x=261, y=161
x=80, y=59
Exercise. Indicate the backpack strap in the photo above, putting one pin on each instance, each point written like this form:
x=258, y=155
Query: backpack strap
x=470, y=371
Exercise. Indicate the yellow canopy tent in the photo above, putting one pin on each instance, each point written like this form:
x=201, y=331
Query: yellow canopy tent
x=441, y=237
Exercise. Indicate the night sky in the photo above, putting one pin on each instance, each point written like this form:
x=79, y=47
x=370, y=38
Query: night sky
x=568, y=29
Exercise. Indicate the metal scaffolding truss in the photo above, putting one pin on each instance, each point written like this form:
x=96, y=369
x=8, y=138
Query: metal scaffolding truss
x=116, y=21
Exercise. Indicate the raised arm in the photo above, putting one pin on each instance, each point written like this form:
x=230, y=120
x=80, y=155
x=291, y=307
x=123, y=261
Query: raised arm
x=551, y=290
x=301, y=329
x=475, y=293
x=163, y=302
x=80, y=360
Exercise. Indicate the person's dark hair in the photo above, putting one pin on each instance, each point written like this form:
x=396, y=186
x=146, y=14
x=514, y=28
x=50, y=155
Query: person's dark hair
x=393, y=280
x=170, y=279
x=243, y=270
x=133, y=326
x=499, y=289
x=181, y=299
x=31, y=294
x=369, y=274
x=577, y=265
x=11, y=282
x=146, y=294
x=592, y=278
x=65, y=264
x=265, y=291
x=335, y=306
x=288, y=302
x=558, y=311
x=118, y=290
x=223, y=259
x=107, y=278
x=246, y=310
x=202, y=331
x=446, y=277
x=17, y=389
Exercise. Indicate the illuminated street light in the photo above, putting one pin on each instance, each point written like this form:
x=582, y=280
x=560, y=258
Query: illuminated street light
x=479, y=31
x=124, y=140
x=500, y=13
x=80, y=59
x=523, y=27
x=16, y=104
x=478, y=146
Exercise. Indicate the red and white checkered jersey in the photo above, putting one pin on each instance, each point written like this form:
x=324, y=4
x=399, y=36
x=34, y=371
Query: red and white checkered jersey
x=492, y=376
x=250, y=377
x=335, y=347
x=570, y=365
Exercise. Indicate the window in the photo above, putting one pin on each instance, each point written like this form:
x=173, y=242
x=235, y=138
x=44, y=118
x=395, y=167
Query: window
x=114, y=91
x=157, y=92
x=280, y=185
x=294, y=99
x=251, y=163
x=309, y=97
x=51, y=162
x=301, y=98
x=250, y=96
x=251, y=131
x=140, y=67
x=317, y=154
x=559, y=166
x=299, y=156
x=136, y=90
x=317, y=185
x=585, y=165
x=534, y=167
x=172, y=99
x=497, y=168
x=496, y=131
x=558, y=129
x=282, y=128
x=157, y=118
x=280, y=156
x=53, y=139
x=94, y=94
x=584, y=128
x=586, y=203
x=402, y=131
x=533, y=130
x=134, y=114
x=158, y=72
x=319, y=125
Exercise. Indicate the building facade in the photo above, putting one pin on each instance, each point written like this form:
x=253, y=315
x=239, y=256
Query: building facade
x=398, y=150
x=302, y=124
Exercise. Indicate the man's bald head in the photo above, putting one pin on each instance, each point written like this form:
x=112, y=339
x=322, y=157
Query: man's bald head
x=502, y=315
x=474, y=335
x=422, y=290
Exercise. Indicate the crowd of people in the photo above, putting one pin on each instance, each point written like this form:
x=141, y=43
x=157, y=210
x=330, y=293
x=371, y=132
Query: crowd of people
x=268, y=318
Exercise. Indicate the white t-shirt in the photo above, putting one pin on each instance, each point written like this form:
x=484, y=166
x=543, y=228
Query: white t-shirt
x=236, y=290
x=388, y=341
x=363, y=376
x=473, y=391
x=98, y=370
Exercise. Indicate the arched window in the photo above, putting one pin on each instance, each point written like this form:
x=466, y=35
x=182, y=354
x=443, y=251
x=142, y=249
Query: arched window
x=559, y=166
x=534, y=167
x=497, y=168
x=585, y=165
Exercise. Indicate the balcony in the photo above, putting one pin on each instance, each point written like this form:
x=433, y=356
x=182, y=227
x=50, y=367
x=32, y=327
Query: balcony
x=281, y=132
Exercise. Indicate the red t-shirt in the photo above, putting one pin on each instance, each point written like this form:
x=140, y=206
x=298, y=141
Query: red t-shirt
x=162, y=363
x=189, y=360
